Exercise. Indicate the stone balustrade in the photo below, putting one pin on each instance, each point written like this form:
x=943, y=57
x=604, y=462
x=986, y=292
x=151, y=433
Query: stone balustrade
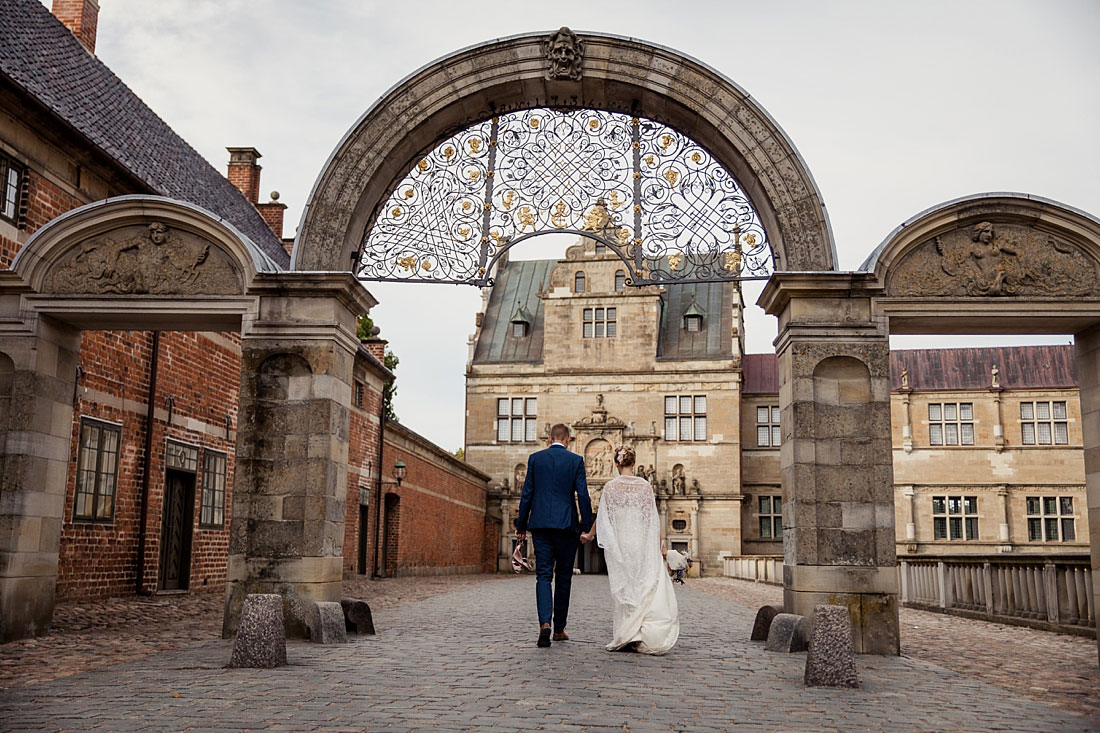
x=1053, y=592
x=762, y=568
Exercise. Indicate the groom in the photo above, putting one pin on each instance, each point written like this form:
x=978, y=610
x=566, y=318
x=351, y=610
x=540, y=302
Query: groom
x=547, y=507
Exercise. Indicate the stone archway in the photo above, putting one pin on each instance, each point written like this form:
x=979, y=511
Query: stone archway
x=147, y=262
x=604, y=72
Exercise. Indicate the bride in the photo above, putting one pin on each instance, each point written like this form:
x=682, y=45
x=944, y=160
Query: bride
x=645, y=615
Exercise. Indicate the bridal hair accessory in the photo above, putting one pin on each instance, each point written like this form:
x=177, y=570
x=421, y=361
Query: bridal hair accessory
x=620, y=455
x=519, y=562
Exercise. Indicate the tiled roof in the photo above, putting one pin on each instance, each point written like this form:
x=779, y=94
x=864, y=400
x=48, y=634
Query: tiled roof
x=40, y=56
x=1019, y=367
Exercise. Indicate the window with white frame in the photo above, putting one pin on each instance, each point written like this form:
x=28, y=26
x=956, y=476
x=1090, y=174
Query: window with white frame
x=1043, y=423
x=1050, y=519
x=686, y=417
x=954, y=517
x=212, y=513
x=599, y=323
x=97, y=471
x=516, y=421
x=578, y=282
x=771, y=517
x=620, y=281
x=11, y=187
x=767, y=426
x=951, y=423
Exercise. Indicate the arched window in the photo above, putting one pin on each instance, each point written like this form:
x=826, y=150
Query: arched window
x=578, y=282
x=620, y=281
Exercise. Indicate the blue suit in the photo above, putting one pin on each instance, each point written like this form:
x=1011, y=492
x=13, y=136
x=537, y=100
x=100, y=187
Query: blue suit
x=552, y=491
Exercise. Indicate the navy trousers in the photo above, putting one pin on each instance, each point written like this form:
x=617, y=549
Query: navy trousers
x=555, y=554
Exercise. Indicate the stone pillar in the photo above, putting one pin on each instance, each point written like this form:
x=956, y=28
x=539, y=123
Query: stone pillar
x=836, y=455
x=37, y=378
x=1088, y=376
x=290, y=486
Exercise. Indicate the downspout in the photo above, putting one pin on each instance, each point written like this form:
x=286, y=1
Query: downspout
x=378, y=484
x=146, y=466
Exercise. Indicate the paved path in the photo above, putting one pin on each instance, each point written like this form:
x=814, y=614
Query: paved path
x=467, y=659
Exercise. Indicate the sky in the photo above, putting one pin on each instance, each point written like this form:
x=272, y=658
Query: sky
x=894, y=106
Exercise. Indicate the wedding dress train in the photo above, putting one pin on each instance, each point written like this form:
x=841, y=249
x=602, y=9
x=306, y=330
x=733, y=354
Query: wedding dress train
x=644, y=601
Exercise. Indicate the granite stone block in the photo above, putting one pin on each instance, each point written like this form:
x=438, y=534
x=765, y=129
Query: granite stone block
x=326, y=623
x=831, y=661
x=357, y=617
x=763, y=622
x=261, y=638
x=787, y=634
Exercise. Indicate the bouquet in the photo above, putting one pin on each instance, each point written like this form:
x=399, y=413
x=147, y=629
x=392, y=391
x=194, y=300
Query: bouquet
x=678, y=565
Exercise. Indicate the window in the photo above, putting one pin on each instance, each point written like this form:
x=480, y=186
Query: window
x=359, y=393
x=519, y=329
x=578, y=282
x=97, y=470
x=771, y=517
x=686, y=417
x=599, y=323
x=213, y=489
x=1043, y=423
x=954, y=517
x=951, y=423
x=516, y=420
x=1050, y=519
x=679, y=525
x=11, y=187
x=620, y=281
x=693, y=323
x=601, y=249
x=767, y=426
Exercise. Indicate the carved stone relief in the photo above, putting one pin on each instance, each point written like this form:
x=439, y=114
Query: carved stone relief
x=564, y=52
x=139, y=260
x=599, y=461
x=995, y=260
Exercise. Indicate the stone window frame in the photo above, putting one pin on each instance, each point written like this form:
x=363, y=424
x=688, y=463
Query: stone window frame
x=620, y=281
x=13, y=177
x=769, y=428
x=212, y=503
x=526, y=419
x=769, y=509
x=580, y=282
x=599, y=322
x=1060, y=515
x=955, y=511
x=1057, y=426
x=103, y=478
x=694, y=412
x=948, y=421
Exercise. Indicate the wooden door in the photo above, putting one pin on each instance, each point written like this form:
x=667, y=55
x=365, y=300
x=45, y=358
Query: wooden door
x=175, y=547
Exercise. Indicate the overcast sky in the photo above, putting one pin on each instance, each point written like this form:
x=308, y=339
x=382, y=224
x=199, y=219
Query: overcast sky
x=895, y=107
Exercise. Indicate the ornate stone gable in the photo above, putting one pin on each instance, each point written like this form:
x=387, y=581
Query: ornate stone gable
x=144, y=260
x=996, y=260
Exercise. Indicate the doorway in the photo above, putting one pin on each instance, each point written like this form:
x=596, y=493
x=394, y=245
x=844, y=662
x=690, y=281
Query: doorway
x=364, y=528
x=179, y=510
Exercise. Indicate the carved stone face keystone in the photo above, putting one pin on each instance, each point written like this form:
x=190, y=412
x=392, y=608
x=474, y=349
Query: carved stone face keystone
x=564, y=52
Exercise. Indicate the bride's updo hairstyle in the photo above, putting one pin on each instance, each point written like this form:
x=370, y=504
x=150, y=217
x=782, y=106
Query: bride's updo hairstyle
x=624, y=457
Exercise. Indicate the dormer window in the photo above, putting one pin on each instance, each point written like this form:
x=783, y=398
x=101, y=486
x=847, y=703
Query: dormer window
x=620, y=281
x=693, y=318
x=578, y=282
x=521, y=322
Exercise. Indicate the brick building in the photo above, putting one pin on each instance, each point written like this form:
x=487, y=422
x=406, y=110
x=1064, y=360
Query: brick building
x=150, y=477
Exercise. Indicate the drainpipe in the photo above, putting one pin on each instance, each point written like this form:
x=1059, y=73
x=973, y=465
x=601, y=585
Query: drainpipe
x=378, y=485
x=146, y=465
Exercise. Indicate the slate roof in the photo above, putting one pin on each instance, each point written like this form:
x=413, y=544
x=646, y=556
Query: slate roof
x=518, y=283
x=1019, y=367
x=40, y=56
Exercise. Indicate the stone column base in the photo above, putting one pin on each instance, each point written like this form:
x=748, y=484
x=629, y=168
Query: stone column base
x=300, y=581
x=869, y=593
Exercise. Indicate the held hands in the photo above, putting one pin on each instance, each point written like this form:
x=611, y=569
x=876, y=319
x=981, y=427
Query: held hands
x=521, y=536
x=588, y=536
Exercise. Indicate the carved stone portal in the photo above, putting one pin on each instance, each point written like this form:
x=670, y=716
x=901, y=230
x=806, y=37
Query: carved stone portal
x=564, y=52
x=996, y=260
x=140, y=260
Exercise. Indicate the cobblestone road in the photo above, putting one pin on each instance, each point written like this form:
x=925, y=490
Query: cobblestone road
x=467, y=659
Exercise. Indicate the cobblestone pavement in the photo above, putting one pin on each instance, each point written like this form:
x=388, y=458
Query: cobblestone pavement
x=94, y=634
x=467, y=659
x=1057, y=669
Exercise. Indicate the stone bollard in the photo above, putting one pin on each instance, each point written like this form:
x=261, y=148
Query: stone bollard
x=763, y=622
x=831, y=662
x=261, y=637
x=787, y=634
x=357, y=617
x=326, y=623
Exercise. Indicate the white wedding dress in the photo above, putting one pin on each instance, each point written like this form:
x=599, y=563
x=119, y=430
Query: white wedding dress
x=628, y=529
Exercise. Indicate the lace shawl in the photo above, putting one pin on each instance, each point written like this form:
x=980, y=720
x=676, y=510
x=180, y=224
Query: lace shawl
x=628, y=529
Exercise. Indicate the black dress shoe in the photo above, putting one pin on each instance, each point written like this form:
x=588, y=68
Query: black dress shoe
x=544, y=637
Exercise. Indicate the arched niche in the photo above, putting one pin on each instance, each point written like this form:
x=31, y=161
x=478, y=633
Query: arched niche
x=609, y=73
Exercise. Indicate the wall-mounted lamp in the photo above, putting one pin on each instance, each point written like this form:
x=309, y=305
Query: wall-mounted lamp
x=171, y=402
x=80, y=374
x=399, y=471
x=228, y=425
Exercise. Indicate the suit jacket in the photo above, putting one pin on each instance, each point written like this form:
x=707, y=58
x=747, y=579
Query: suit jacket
x=554, y=477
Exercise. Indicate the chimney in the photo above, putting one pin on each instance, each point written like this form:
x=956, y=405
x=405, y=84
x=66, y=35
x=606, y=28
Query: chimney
x=376, y=346
x=244, y=173
x=81, y=17
x=272, y=212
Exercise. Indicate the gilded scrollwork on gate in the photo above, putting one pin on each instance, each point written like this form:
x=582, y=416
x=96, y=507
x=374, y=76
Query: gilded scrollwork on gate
x=995, y=260
x=656, y=197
